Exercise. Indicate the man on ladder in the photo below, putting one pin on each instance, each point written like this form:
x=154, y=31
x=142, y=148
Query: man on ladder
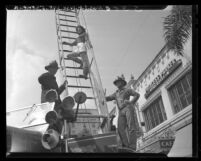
x=126, y=121
x=81, y=51
x=48, y=82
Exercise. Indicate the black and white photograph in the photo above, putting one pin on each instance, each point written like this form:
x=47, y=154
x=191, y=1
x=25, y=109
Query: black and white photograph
x=99, y=80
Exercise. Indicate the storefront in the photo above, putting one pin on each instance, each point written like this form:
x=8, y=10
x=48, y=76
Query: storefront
x=165, y=104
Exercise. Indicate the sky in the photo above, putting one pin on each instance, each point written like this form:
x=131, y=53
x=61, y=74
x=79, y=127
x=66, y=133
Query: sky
x=124, y=42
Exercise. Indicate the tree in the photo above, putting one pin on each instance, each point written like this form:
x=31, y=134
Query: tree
x=177, y=28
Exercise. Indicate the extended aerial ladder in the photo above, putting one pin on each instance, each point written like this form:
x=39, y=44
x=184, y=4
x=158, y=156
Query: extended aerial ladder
x=66, y=22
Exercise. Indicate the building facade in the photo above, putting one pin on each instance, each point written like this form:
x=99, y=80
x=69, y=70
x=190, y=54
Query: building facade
x=165, y=103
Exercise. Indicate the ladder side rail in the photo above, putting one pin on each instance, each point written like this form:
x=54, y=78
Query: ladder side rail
x=93, y=54
x=99, y=78
x=77, y=16
x=95, y=94
x=100, y=82
x=98, y=99
x=61, y=56
x=95, y=63
x=78, y=21
x=65, y=131
x=93, y=86
x=91, y=82
x=62, y=45
x=96, y=103
x=58, y=38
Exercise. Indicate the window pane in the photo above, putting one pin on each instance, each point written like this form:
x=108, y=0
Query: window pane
x=179, y=88
x=175, y=102
x=181, y=93
x=182, y=96
x=189, y=98
x=156, y=114
x=152, y=117
x=149, y=119
x=146, y=120
x=183, y=101
x=159, y=113
x=189, y=78
x=189, y=94
x=178, y=99
x=185, y=85
x=187, y=90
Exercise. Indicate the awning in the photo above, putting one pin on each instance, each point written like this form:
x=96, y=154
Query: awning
x=182, y=146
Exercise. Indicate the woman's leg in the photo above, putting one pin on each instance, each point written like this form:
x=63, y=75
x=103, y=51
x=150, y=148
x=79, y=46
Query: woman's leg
x=73, y=56
x=86, y=64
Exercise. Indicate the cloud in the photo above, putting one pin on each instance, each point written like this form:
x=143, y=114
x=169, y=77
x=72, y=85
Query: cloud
x=23, y=67
x=24, y=64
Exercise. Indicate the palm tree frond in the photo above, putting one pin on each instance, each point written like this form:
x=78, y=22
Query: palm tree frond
x=177, y=27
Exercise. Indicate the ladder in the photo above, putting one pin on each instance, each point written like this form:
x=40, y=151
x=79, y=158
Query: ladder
x=66, y=22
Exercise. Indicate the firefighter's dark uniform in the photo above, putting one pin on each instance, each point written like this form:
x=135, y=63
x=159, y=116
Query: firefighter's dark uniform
x=48, y=81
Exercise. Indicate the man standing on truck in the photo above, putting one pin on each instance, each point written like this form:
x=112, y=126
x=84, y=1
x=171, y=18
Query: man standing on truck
x=126, y=120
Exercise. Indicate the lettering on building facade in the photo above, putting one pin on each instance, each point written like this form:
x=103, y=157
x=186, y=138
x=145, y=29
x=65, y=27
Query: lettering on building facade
x=159, y=142
x=166, y=143
x=171, y=67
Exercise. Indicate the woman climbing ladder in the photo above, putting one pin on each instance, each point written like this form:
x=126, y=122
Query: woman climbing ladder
x=81, y=51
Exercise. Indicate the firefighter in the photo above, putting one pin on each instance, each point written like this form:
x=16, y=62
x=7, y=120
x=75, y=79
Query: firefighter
x=112, y=127
x=81, y=50
x=126, y=120
x=48, y=82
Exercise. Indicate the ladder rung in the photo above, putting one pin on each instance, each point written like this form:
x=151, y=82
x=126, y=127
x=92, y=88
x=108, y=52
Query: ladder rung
x=90, y=97
x=72, y=86
x=92, y=116
x=73, y=76
x=66, y=37
x=67, y=20
x=68, y=11
x=66, y=51
x=69, y=31
x=66, y=15
x=72, y=67
x=68, y=25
